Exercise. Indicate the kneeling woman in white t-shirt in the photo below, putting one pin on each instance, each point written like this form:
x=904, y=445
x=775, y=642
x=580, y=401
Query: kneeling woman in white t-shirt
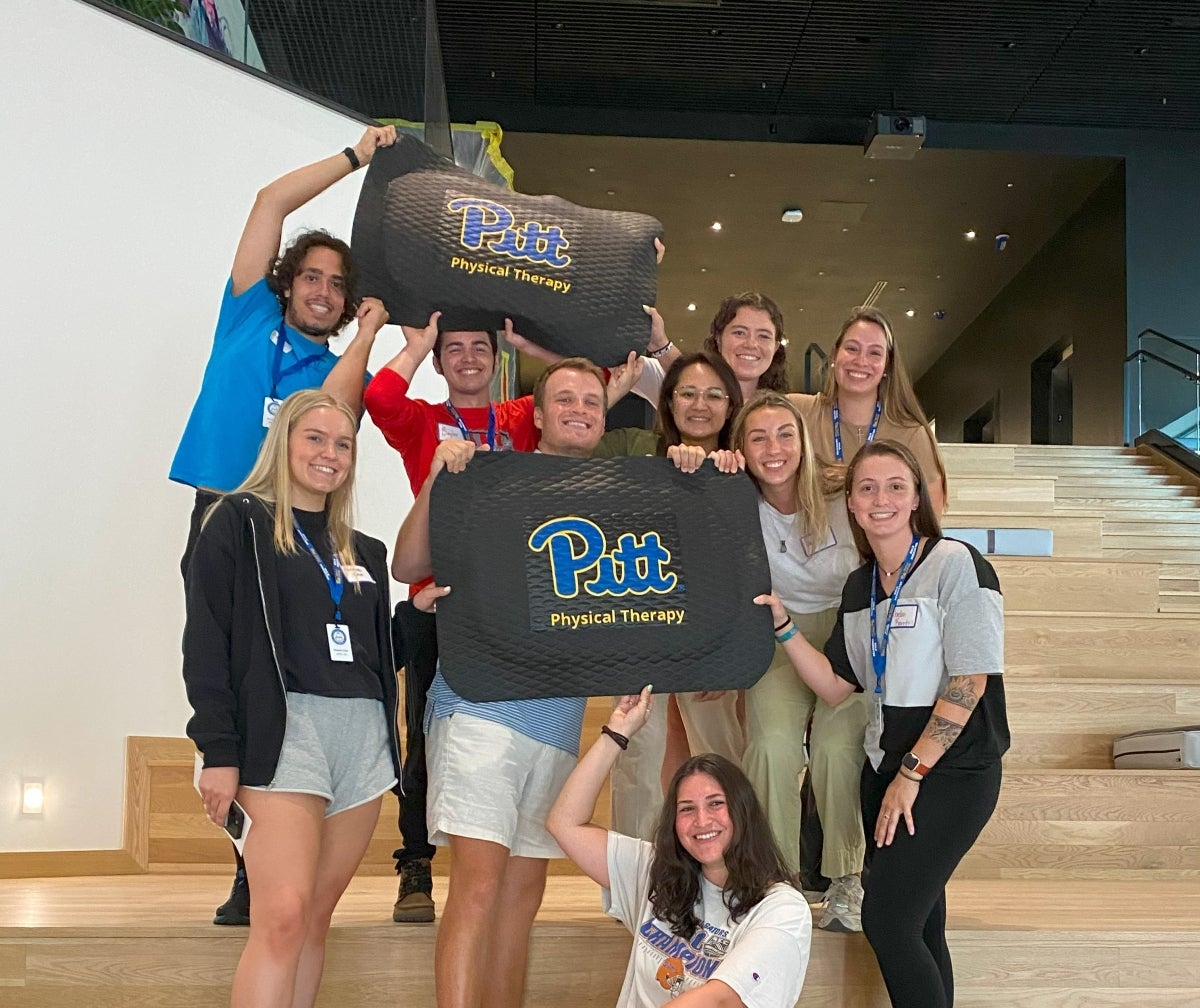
x=716, y=918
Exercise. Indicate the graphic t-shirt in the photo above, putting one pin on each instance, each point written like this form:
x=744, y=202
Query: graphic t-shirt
x=762, y=958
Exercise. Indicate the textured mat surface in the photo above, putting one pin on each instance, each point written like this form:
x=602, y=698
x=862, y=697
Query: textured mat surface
x=430, y=236
x=592, y=577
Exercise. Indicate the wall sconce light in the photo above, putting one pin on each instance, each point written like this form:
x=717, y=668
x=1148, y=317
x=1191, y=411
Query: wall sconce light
x=32, y=796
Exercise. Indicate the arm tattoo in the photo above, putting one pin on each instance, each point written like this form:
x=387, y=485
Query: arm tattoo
x=960, y=691
x=943, y=731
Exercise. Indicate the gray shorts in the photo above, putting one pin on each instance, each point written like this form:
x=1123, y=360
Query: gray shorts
x=337, y=748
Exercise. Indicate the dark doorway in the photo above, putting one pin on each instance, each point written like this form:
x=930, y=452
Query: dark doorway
x=980, y=426
x=1050, y=396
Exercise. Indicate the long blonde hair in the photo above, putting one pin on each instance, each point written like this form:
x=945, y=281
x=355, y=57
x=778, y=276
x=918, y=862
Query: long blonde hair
x=271, y=478
x=901, y=407
x=816, y=480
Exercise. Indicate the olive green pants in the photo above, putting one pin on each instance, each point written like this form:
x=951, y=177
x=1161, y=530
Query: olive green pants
x=777, y=709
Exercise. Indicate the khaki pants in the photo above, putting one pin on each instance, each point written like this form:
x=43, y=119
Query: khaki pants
x=711, y=725
x=777, y=709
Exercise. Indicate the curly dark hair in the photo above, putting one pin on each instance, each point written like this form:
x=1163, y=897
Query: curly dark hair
x=283, y=270
x=667, y=429
x=752, y=859
x=775, y=377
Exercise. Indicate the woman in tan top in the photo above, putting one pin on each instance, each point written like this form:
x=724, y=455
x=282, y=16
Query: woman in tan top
x=869, y=395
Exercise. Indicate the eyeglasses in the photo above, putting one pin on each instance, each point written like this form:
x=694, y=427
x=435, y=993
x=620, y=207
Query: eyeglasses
x=713, y=396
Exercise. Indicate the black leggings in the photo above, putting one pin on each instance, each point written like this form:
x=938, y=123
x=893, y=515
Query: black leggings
x=904, y=903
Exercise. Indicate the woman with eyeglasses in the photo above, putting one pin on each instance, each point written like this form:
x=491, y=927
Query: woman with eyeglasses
x=810, y=551
x=869, y=395
x=699, y=398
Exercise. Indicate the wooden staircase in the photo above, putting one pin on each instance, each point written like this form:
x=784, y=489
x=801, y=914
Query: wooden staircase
x=1101, y=639
x=1081, y=891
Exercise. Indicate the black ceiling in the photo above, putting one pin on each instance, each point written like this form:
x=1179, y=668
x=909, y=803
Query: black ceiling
x=569, y=65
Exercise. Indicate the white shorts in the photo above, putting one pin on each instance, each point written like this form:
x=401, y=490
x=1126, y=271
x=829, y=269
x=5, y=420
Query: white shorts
x=489, y=782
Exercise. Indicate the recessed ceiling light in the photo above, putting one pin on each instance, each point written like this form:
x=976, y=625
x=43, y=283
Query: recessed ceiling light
x=611, y=192
x=938, y=277
x=820, y=272
x=901, y=289
x=792, y=215
x=691, y=306
x=703, y=269
x=1010, y=185
x=733, y=174
x=844, y=230
x=716, y=226
x=870, y=180
x=970, y=235
x=783, y=342
x=591, y=169
x=910, y=313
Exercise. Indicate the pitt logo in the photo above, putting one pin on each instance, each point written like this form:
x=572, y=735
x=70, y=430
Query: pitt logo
x=578, y=548
x=487, y=222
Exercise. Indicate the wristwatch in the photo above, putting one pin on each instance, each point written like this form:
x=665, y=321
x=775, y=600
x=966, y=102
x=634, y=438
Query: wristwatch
x=912, y=762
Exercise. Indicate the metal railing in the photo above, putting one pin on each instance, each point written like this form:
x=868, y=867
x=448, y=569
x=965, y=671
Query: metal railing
x=1166, y=392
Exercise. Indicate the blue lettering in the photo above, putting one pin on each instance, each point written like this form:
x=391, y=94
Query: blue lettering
x=485, y=220
x=577, y=547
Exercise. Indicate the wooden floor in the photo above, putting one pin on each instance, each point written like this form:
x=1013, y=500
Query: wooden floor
x=146, y=940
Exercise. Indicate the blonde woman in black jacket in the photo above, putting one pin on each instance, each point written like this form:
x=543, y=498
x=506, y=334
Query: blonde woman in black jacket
x=289, y=669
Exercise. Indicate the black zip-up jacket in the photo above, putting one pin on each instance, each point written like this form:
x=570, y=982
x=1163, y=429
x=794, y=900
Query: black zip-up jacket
x=231, y=668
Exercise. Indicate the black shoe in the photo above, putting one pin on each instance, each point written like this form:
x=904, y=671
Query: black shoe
x=236, y=909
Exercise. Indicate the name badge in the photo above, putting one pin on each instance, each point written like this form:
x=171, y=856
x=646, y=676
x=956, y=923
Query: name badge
x=357, y=575
x=270, y=408
x=447, y=432
x=905, y=616
x=339, y=642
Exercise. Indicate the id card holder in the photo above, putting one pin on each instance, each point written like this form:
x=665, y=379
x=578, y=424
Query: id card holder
x=270, y=408
x=874, y=734
x=338, y=635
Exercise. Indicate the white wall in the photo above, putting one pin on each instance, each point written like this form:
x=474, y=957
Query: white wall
x=129, y=166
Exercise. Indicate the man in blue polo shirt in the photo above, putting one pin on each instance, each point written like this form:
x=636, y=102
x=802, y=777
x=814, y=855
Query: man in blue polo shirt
x=272, y=339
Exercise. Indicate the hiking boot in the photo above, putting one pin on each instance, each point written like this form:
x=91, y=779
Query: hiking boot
x=414, y=901
x=843, y=905
x=236, y=909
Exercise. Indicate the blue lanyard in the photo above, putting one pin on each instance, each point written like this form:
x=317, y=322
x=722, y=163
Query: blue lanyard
x=334, y=580
x=879, y=649
x=278, y=371
x=837, y=427
x=491, y=430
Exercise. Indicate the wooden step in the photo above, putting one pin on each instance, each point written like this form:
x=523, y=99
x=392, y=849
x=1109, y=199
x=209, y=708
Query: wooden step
x=1166, y=540
x=968, y=460
x=1059, y=824
x=1050, y=583
x=1070, y=723
x=1166, y=555
x=1179, y=602
x=1139, y=646
x=1072, y=490
x=145, y=942
x=1118, y=506
x=1002, y=493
